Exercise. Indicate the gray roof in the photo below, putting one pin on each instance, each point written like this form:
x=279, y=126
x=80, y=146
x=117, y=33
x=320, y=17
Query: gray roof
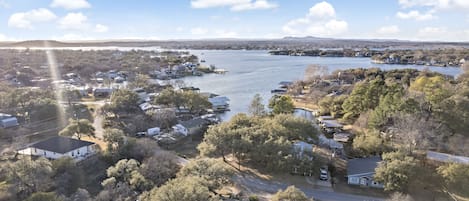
x=362, y=165
x=5, y=116
x=60, y=144
x=193, y=123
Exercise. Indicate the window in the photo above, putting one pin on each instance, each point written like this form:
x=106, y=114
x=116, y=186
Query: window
x=45, y=154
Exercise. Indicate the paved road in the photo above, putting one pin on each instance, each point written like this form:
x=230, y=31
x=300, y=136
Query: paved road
x=262, y=186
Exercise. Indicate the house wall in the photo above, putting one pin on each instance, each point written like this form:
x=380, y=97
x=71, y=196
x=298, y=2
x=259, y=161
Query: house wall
x=81, y=152
x=361, y=181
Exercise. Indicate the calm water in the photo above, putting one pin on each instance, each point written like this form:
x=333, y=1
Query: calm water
x=252, y=72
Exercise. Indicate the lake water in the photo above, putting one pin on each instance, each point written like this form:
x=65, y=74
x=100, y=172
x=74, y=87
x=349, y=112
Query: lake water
x=251, y=72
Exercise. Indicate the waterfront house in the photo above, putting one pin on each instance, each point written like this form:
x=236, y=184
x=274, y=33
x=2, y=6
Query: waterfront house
x=361, y=171
x=219, y=103
x=7, y=121
x=58, y=146
x=190, y=127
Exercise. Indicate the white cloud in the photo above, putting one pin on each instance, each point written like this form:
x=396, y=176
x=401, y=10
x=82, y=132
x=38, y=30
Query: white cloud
x=320, y=21
x=70, y=4
x=436, y=4
x=416, y=15
x=198, y=31
x=74, y=21
x=25, y=20
x=101, y=28
x=226, y=34
x=235, y=5
x=255, y=5
x=388, y=30
x=179, y=29
x=322, y=10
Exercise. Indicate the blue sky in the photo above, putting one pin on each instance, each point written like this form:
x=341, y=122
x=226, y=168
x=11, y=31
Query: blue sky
x=442, y=20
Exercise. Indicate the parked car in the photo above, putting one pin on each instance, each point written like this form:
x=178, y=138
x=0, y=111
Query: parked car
x=324, y=173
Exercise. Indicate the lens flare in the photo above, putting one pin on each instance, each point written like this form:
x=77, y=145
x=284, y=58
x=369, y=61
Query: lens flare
x=55, y=76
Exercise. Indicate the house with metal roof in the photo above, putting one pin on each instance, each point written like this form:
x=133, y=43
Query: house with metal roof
x=58, y=146
x=361, y=171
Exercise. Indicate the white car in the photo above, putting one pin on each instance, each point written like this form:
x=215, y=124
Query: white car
x=324, y=173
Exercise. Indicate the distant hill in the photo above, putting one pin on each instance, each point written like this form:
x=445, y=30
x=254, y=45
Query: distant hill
x=308, y=42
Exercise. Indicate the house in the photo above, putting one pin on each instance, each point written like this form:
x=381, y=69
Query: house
x=332, y=144
x=300, y=148
x=322, y=118
x=7, y=120
x=341, y=137
x=102, y=92
x=220, y=103
x=331, y=124
x=58, y=146
x=361, y=171
x=447, y=158
x=191, y=126
x=142, y=94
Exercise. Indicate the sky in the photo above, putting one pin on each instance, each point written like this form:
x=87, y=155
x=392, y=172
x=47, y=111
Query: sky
x=422, y=20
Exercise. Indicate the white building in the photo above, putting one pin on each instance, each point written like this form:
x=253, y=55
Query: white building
x=57, y=147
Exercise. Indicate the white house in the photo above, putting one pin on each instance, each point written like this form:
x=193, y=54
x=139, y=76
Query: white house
x=7, y=120
x=178, y=128
x=190, y=127
x=361, y=171
x=57, y=147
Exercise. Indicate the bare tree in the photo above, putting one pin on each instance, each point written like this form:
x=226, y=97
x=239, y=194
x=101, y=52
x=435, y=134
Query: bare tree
x=413, y=131
x=315, y=71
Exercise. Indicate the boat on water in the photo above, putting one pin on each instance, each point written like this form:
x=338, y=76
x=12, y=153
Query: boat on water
x=220, y=71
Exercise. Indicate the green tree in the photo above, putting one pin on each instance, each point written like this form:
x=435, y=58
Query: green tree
x=364, y=96
x=114, y=138
x=159, y=168
x=257, y=108
x=184, y=188
x=67, y=175
x=290, y=194
x=78, y=129
x=281, y=105
x=396, y=171
x=42, y=196
x=369, y=144
x=124, y=100
x=169, y=97
x=126, y=171
x=215, y=172
x=456, y=177
x=195, y=102
x=28, y=176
